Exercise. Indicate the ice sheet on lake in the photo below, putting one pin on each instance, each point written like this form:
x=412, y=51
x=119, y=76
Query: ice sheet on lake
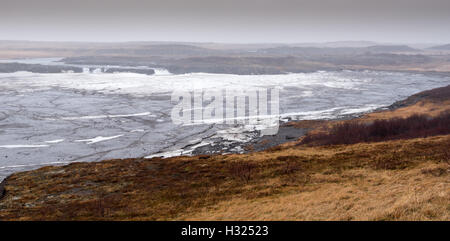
x=140, y=84
x=106, y=116
x=32, y=103
x=98, y=139
x=22, y=146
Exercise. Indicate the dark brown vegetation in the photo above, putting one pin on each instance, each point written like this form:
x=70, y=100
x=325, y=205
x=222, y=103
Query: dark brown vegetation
x=242, y=170
x=382, y=130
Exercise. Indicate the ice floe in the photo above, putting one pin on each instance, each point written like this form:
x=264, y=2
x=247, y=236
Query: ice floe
x=55, y=141
x=105, y=116
x=98, y=139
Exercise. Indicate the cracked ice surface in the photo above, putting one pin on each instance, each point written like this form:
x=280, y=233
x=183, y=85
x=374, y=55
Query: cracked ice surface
x=61, y=118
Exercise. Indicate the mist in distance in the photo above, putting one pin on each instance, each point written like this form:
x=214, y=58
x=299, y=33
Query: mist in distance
x=232, y=21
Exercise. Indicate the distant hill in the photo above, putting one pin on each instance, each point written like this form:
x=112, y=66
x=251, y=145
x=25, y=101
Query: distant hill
x=391, y=48
x=441, y=47
x=337, y=44
x=308, y=51
x=333, y=51
x=164, y=49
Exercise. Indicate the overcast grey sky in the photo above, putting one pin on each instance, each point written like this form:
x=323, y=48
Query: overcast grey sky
x=408, y=21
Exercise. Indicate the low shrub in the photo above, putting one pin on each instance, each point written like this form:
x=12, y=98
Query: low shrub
x=382, y=130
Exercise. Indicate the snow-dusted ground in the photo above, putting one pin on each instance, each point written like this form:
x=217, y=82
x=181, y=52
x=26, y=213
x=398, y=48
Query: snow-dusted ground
x=61, y=118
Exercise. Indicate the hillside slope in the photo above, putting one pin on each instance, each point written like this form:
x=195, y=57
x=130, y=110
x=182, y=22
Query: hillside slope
x=404, y=179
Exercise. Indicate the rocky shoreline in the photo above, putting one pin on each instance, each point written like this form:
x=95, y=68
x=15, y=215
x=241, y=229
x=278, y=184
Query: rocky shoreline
x=55, y=69
x=2, y=189
x=289, y=131
x=37, y=68
x=285, y=134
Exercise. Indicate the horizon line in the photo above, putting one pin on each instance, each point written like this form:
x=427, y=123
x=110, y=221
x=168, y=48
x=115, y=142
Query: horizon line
x=218, y=42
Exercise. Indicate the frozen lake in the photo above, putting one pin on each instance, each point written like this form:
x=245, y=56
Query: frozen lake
x=62, y=118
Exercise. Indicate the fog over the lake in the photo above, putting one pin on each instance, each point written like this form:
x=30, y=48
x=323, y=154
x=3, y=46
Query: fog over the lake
x=408, y=21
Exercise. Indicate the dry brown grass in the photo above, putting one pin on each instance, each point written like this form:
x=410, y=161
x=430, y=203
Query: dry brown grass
x=397, y=180
x=358, y=194
x=428, y=107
